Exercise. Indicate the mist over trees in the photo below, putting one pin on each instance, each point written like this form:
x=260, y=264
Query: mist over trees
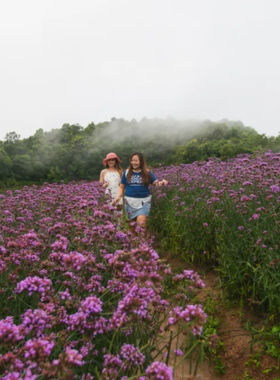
x=74, y=152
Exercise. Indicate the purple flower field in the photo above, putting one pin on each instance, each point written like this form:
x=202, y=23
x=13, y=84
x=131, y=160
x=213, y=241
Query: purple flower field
x=77, y=300
x=226, y=215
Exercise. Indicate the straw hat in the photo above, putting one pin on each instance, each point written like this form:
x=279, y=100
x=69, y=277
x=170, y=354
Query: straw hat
x=111, y=156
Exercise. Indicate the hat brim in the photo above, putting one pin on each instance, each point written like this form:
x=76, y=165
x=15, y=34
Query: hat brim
x=114, y=158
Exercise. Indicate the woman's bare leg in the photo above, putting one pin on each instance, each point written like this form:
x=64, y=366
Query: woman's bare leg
x=142, y=222
x=131, y=227
x=119, y=216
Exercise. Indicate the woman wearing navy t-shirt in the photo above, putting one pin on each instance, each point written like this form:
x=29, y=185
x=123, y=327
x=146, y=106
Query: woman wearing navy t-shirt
x=135, y=181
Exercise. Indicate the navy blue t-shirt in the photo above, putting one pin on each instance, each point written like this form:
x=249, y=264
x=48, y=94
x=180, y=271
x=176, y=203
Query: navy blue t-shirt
x=135, y=188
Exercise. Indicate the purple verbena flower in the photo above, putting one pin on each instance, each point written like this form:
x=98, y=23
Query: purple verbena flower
x=9, y=332
x=159, y=371
x=132, y=355
x=34, y=285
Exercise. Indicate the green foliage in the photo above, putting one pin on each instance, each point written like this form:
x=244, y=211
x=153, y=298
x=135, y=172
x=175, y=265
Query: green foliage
x=54, y=175
x=271, y=339
x=246, y=376
x=11, y=137
x=5, y=164
x=223, y=141
x=78, y=152
x=214, y=344
x=22, y=166
x=224, y=231
x=220, y=367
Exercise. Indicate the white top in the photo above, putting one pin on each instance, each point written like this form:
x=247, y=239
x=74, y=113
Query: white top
x=113, y=178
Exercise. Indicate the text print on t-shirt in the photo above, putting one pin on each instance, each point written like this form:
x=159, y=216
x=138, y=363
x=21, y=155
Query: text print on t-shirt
x=136, y=180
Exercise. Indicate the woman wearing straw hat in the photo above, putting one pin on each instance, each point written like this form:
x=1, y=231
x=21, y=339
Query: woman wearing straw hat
x=111, y=176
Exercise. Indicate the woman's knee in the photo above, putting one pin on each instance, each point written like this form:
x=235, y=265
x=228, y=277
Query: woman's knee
x=142, y=221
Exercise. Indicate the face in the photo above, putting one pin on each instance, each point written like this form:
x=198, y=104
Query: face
x=111, y=162
x=135, y=162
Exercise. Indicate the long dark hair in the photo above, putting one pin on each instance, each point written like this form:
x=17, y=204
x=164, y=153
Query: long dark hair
x=145, y=174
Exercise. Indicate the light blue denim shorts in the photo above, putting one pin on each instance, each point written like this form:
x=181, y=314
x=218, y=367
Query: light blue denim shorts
x=132, y=213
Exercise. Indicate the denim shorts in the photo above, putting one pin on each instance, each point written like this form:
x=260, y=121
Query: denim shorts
x=132, y=213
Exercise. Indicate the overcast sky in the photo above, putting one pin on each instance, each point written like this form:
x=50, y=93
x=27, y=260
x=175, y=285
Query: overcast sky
x=65, y=61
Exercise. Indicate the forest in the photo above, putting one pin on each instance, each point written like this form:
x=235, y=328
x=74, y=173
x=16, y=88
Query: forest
x=73, y=152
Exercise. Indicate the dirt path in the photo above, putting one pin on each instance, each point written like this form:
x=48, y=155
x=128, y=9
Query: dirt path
x=237, y=356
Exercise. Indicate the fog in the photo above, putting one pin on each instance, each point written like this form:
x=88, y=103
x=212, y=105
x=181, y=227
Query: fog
x=170, y=130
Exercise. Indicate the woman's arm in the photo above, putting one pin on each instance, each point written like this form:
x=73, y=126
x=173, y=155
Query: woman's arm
x=160, y=183
x=102, y=175
x=119, y=195
x=155, y=181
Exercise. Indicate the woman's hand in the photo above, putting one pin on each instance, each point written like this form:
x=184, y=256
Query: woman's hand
x=162, y=183
x=106, y=184
x=119, y=195
x=116, y=200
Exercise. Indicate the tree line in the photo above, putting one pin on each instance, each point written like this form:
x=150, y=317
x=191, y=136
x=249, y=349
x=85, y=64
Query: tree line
x=224, y=142
x=73, y=152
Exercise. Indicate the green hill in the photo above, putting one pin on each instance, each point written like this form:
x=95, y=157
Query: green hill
x=74, y=152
